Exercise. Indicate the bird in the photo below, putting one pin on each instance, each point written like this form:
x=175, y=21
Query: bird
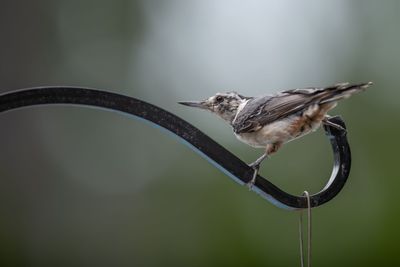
x=269, y=121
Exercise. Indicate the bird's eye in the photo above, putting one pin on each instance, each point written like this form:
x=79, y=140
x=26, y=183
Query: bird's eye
x=219, y=99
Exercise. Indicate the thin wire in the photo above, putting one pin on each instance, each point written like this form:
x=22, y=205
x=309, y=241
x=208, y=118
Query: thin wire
x=301, y=238
x=307, y=195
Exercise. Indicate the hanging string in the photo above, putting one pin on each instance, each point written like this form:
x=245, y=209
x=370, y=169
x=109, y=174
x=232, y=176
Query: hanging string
x=308, y=232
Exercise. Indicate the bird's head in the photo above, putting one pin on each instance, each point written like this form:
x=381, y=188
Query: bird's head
x=225, y=105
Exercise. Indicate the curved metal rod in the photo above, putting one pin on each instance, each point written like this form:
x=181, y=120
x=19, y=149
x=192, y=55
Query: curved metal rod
x=204, y=145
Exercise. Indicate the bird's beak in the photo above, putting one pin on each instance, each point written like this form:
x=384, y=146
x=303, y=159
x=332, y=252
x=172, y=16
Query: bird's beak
x=195, y=104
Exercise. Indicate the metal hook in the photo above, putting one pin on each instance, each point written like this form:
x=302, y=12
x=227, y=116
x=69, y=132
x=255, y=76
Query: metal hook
x=197, y=140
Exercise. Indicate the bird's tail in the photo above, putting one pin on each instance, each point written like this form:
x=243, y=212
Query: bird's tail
x=340, y=91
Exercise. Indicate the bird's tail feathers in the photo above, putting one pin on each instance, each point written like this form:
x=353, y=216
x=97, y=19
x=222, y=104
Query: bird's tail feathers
x=341, y=91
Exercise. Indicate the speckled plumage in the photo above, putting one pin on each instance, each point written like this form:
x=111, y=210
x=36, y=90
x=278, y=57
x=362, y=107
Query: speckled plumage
x=272, y=120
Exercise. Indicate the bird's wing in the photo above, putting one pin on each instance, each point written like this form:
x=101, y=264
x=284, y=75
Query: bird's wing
x=264, y=110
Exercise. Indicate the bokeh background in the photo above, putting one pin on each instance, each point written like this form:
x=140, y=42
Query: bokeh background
x=86, y=187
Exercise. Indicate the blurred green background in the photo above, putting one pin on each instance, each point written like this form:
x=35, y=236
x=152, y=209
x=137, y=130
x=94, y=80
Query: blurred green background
x=86, y=187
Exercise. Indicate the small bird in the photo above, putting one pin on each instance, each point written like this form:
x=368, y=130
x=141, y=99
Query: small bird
x=270, y=121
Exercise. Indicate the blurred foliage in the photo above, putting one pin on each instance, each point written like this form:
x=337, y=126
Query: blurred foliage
x=83, y=187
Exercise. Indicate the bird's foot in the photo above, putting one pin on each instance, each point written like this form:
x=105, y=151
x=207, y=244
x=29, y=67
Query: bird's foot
x=256, y=164
x=326, y=121
x=256, y=168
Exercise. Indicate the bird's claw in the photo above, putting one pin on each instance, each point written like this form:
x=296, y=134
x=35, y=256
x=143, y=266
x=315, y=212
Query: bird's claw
x=327, y=122
x=255, y=166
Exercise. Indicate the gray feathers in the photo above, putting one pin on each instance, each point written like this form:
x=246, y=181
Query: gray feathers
x=264, y=110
